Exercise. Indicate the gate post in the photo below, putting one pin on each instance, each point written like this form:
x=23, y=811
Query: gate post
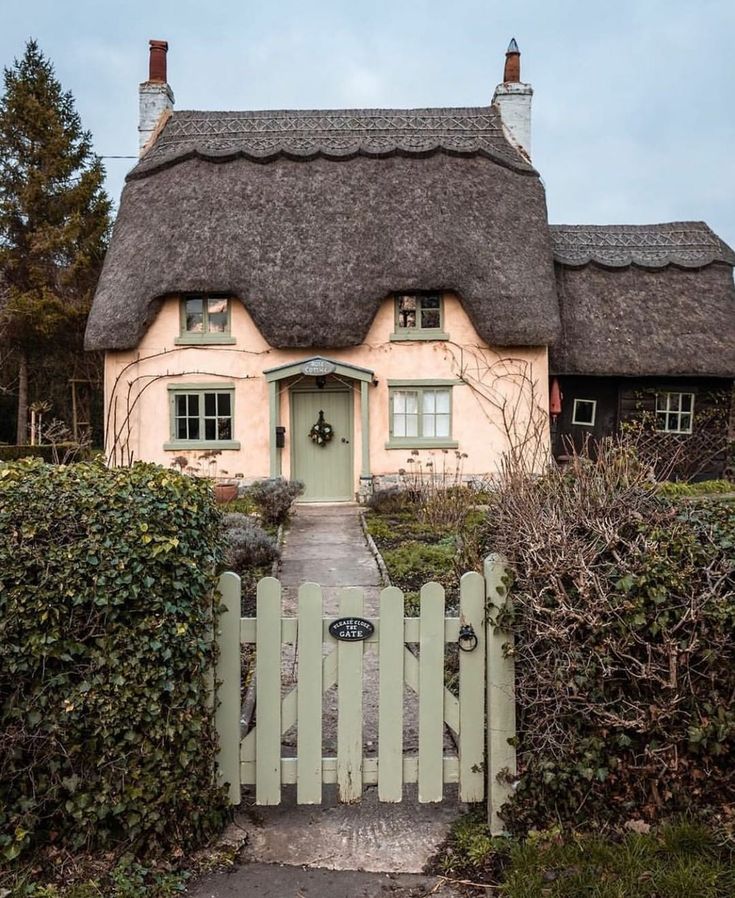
x=501, y=705
x=227, y=685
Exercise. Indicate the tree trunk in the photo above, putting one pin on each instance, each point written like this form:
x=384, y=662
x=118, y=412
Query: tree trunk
x=22, y=431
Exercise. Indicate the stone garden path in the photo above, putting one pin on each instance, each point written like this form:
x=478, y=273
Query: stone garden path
x=325, y=545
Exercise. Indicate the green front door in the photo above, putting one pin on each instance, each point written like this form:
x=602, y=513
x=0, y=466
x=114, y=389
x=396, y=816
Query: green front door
x=325, y=470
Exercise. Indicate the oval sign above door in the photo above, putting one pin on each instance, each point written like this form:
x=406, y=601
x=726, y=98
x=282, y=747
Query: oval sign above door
x=318, y=367
x=351, y=629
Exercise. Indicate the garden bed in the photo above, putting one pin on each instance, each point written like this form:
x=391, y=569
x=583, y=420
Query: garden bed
x=416, y=552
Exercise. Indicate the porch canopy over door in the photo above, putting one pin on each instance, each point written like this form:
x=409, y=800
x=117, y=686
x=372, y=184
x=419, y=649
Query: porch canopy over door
x=316, y=366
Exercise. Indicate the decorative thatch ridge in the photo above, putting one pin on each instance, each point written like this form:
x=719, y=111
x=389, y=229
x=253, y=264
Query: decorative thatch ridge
x=690, y=244
x=334, y=134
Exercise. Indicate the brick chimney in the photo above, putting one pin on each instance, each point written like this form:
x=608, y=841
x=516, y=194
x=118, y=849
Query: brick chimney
x=513, y=100
x=156, y=97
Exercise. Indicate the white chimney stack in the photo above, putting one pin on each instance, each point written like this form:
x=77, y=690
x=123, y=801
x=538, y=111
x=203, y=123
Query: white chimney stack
x=156, y=97
x=513, y=99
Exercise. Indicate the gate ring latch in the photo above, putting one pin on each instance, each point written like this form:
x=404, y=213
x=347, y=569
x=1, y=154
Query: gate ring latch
x=467, y=638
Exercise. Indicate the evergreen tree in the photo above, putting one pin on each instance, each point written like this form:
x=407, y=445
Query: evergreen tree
x=54, y=223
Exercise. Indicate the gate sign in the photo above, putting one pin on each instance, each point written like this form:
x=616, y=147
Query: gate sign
x=351, y=629
x=318, y=368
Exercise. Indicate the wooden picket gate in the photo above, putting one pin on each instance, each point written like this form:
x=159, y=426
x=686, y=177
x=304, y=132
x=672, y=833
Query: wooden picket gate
x=411, y=651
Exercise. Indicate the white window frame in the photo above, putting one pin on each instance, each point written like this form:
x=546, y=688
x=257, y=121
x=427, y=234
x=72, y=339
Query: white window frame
x=663, y=407
x=594, y=413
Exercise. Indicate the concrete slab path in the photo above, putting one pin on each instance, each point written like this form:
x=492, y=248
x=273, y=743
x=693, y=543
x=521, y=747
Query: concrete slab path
x=277, y=881
x=325, y=544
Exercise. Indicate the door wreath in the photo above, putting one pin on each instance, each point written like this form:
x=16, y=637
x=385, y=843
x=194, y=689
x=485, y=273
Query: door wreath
x=321, y=433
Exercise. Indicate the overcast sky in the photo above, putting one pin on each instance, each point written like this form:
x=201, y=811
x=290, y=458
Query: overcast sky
x=633, y=110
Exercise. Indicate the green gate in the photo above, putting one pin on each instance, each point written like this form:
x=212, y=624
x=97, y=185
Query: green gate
x=411, y=652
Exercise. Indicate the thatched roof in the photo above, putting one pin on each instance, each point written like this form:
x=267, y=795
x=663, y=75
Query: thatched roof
x=675, y=316
x=313, y=218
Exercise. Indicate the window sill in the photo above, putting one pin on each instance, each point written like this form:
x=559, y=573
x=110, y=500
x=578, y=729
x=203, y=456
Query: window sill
x=204, y=339
x=418, y=334
x=421, y=443
x=201, y=444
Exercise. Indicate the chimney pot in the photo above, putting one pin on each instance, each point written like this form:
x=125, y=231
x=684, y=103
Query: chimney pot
x=512, y=71
x=157, y=61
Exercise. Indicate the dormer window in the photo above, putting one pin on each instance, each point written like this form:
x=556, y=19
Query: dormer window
x=419, y=317
x=205, y=319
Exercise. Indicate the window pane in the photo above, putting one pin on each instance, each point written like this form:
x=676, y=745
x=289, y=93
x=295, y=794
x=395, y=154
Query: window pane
x=661, y=421
x=686, y=402
x=412, y=425
x=399, y=403
x=674, y=400
x=429, y=426
x=193, y=405
x=223, y=404
x=193, y=311
x=406, y=311
x=685, y=423
x=210, y=429
x=181, y=432
x=442, y=401
x=399, y=425
x=429, y=402
x=430, y=312
x=210, y=404
x=412, y=403
x=193, y=428
x=180, y=405
x=442, y=426
x=224, y=428
x=217, y=315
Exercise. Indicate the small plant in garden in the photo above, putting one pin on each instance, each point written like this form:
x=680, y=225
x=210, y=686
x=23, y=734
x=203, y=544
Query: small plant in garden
x=274, y=498
x=390, y=500
x=247, y=545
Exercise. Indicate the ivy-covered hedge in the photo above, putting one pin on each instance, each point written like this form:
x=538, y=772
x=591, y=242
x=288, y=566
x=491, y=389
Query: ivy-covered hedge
x=624, y=618
x=106, y=586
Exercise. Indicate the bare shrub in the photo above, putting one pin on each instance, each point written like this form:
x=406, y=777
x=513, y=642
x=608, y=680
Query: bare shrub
x=625, y=657
x=442, y=497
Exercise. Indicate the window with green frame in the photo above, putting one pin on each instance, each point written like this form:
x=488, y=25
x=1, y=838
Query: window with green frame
x=419, y=317
x=421, y=415
x=202, y=417
x=205, y=319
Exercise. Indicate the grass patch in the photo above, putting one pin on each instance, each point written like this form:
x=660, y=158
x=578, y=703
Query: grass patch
x=414, y=563
x=681, y=860
x=244, y=505
x=703, y=488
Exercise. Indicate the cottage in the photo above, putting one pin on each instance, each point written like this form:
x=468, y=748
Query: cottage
x=323, y=294
x=648, y=334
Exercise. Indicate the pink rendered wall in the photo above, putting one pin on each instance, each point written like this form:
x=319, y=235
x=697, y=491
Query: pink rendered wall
x=492, y=405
